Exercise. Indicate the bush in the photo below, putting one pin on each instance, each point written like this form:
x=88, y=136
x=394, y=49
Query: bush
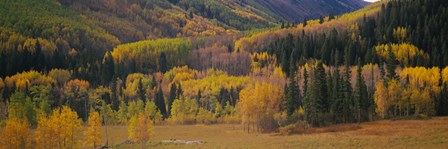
x=205, y=117
x=300, y=127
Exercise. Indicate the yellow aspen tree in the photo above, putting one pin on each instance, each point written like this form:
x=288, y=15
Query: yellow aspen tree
x=381, y=99
x=16, y=134
x=395, y=91
x=67, y=125
x=140, y=128
x=445, y=75
x=258, y=105
x=45, y=134
x=93, y=132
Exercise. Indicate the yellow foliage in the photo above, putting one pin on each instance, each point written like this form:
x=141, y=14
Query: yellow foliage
x=205, y=117
x=404, y=52
x=421, y=77
x=143, y=52
x=381, y=99
x=93, y=132
x=400, y=33
x=178, y=74
x=60, y=130
x=140, y=128
x=423, y=102
x=394, y=92
x=343, y=22
x=132, y=81
x=152, y=112
x=445, y=75
x=15, y=135
x=199, y=26
x=46, y=133
x=28, y=79
x=259, y=103
x=183, y=111
x=212, y=83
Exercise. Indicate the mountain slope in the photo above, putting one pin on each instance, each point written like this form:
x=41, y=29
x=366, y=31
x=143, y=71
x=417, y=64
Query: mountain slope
x=298, y=10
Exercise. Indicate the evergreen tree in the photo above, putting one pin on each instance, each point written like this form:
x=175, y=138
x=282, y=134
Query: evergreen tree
x=160, y=102
x=172, y=97
x=198, y=98
x=347, y=97
x=141, y=91
x=108, y=68
x=442, y=108
x=305, y=82
x=361, y=99
x=163, y=66
x=153, y=82
x=316, y=98
x=292, y=94
x=391, y=65
x=114, y=95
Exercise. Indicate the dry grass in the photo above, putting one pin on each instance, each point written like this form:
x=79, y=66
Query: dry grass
x=431, y=133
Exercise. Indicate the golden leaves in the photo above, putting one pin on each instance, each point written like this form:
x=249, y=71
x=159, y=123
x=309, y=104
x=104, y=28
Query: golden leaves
x=16, y=134
x=404, y=52
x=381, y=98
x=60, y=130
x=27, y=79
x=93, y=132
x=140, y=128
x=259, y=102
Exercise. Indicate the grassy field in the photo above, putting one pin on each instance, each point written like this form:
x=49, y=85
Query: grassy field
x=431, y=133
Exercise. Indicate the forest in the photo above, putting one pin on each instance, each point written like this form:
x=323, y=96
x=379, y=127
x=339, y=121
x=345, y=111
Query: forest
x=64, y=77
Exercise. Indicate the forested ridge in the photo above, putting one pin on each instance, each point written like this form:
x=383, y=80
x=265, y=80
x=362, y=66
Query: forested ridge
x=385, y=61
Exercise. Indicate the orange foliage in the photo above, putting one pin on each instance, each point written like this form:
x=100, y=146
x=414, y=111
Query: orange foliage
x=16, y=134
x=259, y=103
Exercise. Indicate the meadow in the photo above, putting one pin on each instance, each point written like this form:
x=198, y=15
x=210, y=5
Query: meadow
x=432, y=133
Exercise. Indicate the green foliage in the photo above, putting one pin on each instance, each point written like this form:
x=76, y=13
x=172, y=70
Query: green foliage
x=184, y=111
x=153, y=113
x=21, y=107
x=143, y=56
x=293, y=101
x=47, y=33
x=316, y=104
x=160, y=102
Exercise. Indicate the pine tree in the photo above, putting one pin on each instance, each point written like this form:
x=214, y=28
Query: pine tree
x=141, y=91
x=361, y=99
x=391, y=65
x=172, y=97
x=347, y=99
x=114, y=95
x=315, y=102
x=198, y=98
x=163, y=66
x=305, y=82
x=160, y=102
x=293, y=94
x=108, y=68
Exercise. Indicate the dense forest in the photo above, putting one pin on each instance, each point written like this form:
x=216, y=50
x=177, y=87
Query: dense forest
x=61, y=71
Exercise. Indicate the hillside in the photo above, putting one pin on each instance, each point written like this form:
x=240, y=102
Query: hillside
x=222, y=73
x=298, y=10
